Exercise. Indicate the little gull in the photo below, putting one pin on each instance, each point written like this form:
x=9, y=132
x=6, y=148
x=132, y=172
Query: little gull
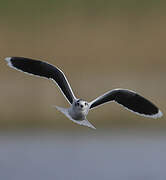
x=79, y=108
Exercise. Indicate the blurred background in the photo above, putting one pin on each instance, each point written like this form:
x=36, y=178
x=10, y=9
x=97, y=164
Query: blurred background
x=100, y=45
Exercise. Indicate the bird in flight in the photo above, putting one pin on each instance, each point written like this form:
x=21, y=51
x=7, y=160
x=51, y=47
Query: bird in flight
x=79, y=108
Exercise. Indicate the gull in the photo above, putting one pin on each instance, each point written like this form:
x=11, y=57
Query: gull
x=78, y=110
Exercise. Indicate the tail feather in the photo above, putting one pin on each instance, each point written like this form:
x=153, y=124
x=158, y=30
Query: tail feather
x=84, y=122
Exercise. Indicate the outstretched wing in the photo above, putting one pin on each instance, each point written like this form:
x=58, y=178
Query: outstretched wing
x=130, y=100
x=42, y=69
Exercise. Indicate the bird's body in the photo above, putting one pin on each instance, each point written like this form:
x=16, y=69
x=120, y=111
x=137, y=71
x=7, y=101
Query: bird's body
x=78, y=110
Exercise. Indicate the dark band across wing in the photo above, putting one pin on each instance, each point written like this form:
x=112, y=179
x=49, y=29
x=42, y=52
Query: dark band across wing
x=42, y=69
x=129, y=99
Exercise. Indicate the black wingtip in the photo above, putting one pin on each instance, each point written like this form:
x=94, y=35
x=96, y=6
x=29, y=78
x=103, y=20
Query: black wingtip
x=155, y=116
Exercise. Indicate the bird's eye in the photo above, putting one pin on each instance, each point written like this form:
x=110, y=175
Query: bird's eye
x=86, y=104
x=76, y=104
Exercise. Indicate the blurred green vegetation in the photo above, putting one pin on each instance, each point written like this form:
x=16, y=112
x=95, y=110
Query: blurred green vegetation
x=80, y=5
x=36, y=10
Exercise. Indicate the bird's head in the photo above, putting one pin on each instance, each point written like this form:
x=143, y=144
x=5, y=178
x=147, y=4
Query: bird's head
x=81, y=105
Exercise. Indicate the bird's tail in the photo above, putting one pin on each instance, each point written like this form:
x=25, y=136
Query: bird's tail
x=84, y=122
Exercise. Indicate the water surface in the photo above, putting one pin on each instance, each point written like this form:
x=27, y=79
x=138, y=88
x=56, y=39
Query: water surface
x=62, y=155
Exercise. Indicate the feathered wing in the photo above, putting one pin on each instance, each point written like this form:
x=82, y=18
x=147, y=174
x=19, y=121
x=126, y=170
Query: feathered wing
x=130, y=100
x=43, y=69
